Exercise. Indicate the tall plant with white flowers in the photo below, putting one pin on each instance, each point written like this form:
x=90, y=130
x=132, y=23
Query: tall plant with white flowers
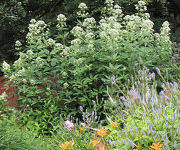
x=81, y=68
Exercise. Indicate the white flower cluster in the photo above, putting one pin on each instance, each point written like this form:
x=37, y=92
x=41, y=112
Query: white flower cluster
x=61, y=20
x=32, y=82
x=76, y=42
x=109, y=7
x=51, y=42
x=39, y=60
x=35, y=28
x=110, y=28
x=89, y=36
x=83, y=10
x=165, y=28
x=147, y=26
x=77, y=31
x=18, y=44
x=89, y=23
x=20, y=73
x=146, y=16
x=117, y=11
x=141, y=6
x=165, y=32
x=3, y=96
x=133, y=22
x=82, y=6
x=30, y=53
x=6, y=66
x=65, y=52
x=58, y=47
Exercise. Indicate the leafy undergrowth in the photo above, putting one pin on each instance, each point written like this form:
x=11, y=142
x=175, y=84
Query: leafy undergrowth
x=140, y=119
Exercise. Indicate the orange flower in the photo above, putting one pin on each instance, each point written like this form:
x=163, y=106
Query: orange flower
x=82, y=129
x=156, y=146
x=67, y=145
x=94, y=142
x=102, y=132
x=101, y=146
x=114, y=125
x=138, y=146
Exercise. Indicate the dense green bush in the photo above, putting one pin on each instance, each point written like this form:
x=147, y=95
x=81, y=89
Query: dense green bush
x=56, y=76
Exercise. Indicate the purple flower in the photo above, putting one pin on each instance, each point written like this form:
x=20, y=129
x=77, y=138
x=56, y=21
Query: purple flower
x=165, y=143
x=174, y=116
x=113, y=80
x=144, y=115
x=153, y=75
x=119, y=134
x=175, y=144
x=130, y=130
x=135, y=128
x=81, y=108
x=113, y=144
x=178, y=128
x=158, y=71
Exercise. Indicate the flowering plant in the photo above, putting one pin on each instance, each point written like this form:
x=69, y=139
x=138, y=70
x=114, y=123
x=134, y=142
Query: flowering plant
x=71, y=73
x=149, y=118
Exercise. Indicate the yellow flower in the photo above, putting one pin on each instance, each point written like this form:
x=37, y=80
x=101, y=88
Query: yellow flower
x=156, y=146
x=114, y=125
x=66, y=145
x=102, y=132
x=94, y=142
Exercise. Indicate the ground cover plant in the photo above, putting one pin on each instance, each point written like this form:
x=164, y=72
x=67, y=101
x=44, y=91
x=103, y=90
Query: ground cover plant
x=16, y=137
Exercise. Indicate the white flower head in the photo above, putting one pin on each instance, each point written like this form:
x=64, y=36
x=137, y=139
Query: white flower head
x=3, y=96
x=40, y=23
x=109, y=2
x=77, y=31
x=32, y=82
x=89, y=22
x=33, y=21
x=82, y=6
x=18, y=43
x=141, y=6
x=165, y=28
x=83, y=10
x=6, y=66
x=51, y=42
x=76, y=41
x=141, y=3
x=61, y=18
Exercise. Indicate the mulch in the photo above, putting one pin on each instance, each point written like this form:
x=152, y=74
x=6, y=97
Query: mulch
x=11, y=91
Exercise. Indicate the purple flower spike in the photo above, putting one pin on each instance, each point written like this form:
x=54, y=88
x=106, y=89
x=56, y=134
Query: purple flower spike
x=113, y=80
x=178, y=128
x=175, y=144
x=81, y=108
x=153, y=75
x=174, y=116
x=130, y=130
x=158, y=71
